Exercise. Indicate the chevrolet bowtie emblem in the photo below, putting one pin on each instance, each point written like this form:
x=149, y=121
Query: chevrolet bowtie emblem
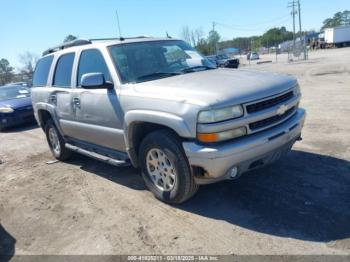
x=282, y=109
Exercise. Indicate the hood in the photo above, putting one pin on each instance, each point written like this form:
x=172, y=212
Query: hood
x=218, y=87
x=17, y=103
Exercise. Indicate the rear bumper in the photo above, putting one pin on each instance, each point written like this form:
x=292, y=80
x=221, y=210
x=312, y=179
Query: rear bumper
x=246, y=153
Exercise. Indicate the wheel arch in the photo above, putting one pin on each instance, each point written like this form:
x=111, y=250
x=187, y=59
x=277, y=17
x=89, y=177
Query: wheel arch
x=44, y=112
x=138, y=124
x=43, y=117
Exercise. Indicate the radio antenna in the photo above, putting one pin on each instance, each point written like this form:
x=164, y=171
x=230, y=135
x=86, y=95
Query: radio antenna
x=120, y=32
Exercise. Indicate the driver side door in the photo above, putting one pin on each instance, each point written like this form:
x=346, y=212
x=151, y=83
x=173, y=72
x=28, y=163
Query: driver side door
x=98, y=115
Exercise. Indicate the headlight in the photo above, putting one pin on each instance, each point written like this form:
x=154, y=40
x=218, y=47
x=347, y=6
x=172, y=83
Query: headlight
x=222, y=136
x=297, y=90
x=6, y=110
x=217, y=115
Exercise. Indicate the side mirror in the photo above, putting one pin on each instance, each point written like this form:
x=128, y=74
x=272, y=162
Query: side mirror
x=95, y=81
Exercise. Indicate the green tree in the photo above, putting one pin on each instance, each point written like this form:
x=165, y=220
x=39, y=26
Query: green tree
x=272, y=37
x=338, y=19
x=275, y=36
x=203, y=47
x=6, y=72
x=69, y=38
x=213, y=40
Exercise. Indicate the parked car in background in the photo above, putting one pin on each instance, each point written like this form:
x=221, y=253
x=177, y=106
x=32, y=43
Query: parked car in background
x=212, y=59
x=24, y=84
x=15, y=106
x=224, y=61
x=253, y=56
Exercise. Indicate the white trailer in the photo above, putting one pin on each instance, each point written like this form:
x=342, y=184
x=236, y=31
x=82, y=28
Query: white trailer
x=337, y=36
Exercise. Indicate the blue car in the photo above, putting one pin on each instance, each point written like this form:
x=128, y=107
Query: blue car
x=15, y=106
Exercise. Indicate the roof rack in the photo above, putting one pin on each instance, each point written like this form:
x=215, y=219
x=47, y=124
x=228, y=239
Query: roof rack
x=118, y=38
x=77, y=42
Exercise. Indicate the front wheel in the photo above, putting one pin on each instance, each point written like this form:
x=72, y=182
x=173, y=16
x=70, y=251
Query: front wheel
x=165, y=168
x=56, y=142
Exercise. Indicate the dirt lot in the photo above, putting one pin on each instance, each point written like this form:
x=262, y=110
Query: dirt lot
x=300, y=205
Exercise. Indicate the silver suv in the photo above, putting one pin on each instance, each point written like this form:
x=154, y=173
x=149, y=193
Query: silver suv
x=160, y=106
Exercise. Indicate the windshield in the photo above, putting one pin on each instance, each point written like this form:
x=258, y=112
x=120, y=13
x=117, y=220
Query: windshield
x=145, y=61
x=223, y=57
x=13, y=92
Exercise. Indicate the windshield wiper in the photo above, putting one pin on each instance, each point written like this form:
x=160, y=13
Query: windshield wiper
x=156, y=75
x=194, y=68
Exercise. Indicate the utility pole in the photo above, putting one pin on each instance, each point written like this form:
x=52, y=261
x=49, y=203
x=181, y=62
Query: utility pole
x=215, y=44
x=293, y=5
x=300, y=32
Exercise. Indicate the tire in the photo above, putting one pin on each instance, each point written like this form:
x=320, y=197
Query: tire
x=57, y=144
x=174, y=183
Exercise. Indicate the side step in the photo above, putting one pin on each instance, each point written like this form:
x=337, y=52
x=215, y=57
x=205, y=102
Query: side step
x=106, y=159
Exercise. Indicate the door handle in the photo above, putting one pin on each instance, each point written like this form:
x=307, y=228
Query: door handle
x=76, y=101
x=53, y=99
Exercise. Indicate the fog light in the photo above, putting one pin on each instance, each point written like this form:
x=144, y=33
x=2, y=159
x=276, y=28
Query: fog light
x=234, y=172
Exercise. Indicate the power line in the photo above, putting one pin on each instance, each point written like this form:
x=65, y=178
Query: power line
x=241, y=28
x=255, y=24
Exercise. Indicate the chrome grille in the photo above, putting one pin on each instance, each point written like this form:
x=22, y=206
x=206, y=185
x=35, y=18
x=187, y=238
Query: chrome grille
x=271, y=120
x=252, y=108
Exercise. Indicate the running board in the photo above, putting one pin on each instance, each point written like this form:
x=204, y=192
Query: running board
x=106, y=159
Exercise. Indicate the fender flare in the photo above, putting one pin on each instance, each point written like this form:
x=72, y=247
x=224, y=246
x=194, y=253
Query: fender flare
x=135, y=117
x=51, y=110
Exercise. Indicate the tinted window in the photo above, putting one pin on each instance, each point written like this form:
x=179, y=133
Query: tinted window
x=63, y=72
x=42, y=70
x=92, y=61
x=145, y=61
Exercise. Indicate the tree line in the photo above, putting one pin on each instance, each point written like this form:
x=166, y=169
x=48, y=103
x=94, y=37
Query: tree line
x=27, y=60
x=338, y=19
x=207, y=45
x=8, y=74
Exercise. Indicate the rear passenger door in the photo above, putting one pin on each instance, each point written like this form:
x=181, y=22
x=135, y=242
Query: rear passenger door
x=61, y=93
x=98, y=113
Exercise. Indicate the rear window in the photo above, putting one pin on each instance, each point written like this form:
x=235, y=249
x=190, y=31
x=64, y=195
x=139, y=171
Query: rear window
x=63, y=72
x=42, y=70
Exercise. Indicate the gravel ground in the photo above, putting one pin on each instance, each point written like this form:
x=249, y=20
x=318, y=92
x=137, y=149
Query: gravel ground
x=300, y=205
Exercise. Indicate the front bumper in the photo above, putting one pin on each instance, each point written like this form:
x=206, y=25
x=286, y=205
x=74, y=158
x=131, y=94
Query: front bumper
x=14, y=119
x=245, y=153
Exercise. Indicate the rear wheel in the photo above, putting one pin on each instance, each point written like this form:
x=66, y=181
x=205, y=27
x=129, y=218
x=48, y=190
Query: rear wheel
x=165, y=168
x=56, y=142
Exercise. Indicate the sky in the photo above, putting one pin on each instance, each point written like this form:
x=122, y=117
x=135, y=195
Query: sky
x=35, y=25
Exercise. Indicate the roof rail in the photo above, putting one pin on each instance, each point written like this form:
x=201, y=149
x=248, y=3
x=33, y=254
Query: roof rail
x=77, y=42
x=118, y=38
